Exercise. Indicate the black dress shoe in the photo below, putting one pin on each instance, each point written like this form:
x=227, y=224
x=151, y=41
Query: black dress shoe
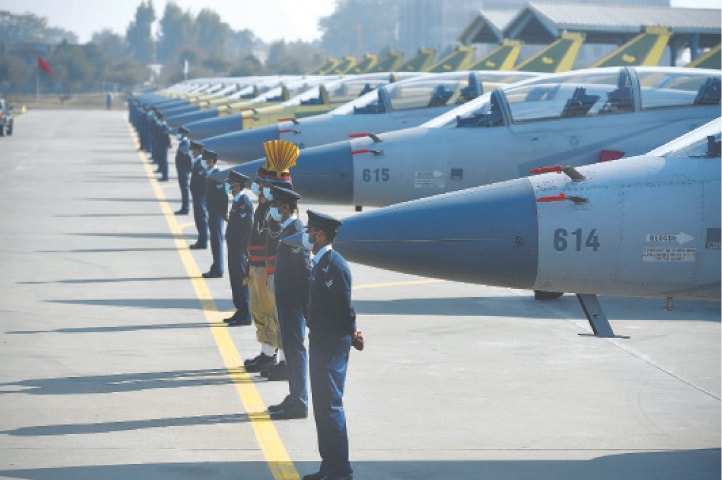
x=212, y=275
x=181, y=212
x=315, y=476
x=261, y=362
x=277, y=372
x=281, y=406
x=196, y=246
x=240, y=322
x=290, y=414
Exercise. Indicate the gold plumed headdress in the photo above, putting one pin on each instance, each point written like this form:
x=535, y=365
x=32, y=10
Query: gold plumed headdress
x=281, y=155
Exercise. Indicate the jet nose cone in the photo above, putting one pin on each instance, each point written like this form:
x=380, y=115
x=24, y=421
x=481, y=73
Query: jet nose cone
x=211, y=127
x=188, y=118
x=242, y=146
x=325, y=173
x=484, y=235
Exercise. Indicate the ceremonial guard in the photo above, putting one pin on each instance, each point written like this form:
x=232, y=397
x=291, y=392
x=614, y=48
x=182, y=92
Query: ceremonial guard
x=332, y=332
x=183, y=165
x=198, y=194
x=238, y=231
x=280, y=157
x=217, y=205
x=293, y=269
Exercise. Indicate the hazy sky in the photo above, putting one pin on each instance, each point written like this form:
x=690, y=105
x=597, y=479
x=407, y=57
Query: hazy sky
x=268, y=19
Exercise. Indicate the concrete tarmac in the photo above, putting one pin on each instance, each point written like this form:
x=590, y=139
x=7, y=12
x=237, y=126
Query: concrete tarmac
x=115, y=364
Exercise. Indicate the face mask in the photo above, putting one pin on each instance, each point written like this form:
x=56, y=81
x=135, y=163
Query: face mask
x=228, y=188
x=275, y=214
x=254, y=188
x=204, y=164
x=306, y=241
x=267, y=193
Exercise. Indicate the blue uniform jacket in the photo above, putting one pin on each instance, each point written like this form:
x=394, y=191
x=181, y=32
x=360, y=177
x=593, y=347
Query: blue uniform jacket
x=330, y=314
x=216, y=199
x=183, y=160
x=238, y=229
x=198, y=180
x=293, y=269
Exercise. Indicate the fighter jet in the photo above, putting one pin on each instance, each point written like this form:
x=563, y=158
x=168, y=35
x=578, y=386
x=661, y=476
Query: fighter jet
x=390, y=107
x=582, y=116
x=268, y=91
x=322, y=97
x=231, y=111
x=645, y=226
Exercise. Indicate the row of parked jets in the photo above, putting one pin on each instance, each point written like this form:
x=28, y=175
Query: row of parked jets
x=595, y=181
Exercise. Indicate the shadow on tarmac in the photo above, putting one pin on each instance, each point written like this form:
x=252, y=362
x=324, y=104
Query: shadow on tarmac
x=527, y=307
x=106, y=280
x=110, y=250
x=684, y=464
x=117, y=328
x=118, y=383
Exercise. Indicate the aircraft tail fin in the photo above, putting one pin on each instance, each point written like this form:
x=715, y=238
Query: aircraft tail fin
x=326, y=68
x=346, y=64
x=459, y=59
x=390, y=63
x=645, y=49
x=368, y=62
x=502, y=57
x=559, y=56
x=420, y=62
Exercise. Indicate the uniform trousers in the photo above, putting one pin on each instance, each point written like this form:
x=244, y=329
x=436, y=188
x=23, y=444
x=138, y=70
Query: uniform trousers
x=292, y=323
x=200, y=215
x=263, y=306
x=328, y=362
x=184, y=178
x=215, y=228
x=237, y=271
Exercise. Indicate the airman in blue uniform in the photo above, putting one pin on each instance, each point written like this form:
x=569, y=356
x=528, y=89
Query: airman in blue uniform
x=198, y=194
x=217, y=205
x=293, y=269
x=183, y=165
x=238, y=231
x=332, y=332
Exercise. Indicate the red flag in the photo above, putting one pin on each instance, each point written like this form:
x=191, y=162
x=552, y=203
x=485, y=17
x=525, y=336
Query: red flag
x=43, y=65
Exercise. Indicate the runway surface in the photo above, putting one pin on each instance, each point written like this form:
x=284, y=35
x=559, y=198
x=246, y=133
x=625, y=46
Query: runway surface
x=115, y=364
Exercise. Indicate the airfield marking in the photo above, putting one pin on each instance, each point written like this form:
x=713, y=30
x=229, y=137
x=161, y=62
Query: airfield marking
x=274, y=451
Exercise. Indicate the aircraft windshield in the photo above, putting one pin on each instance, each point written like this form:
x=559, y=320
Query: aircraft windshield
x=428, y=91
x=576, y=94
x=678, y=88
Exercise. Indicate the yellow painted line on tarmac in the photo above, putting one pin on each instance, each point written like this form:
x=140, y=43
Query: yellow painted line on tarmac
x=274, y=451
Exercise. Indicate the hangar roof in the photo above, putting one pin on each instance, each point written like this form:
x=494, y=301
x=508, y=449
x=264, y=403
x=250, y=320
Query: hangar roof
x=600, y=23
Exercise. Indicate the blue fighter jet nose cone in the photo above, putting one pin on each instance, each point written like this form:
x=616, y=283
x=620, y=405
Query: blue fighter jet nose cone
x=481, y=235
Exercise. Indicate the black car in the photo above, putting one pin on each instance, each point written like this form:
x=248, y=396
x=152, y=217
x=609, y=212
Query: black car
x=6, y=118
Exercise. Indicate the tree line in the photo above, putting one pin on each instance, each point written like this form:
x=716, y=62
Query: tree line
x=124, y=61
